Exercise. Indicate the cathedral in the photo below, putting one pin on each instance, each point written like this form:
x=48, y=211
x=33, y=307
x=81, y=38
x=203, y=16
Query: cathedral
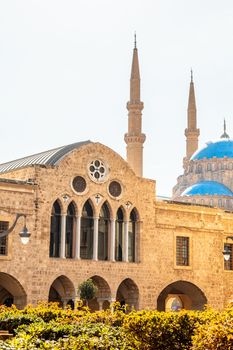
x=81, y=211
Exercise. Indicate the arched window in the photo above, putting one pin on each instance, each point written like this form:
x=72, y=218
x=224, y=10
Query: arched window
x=220, y=202
x=211, y=202
x=104, y=229
x=209, y=167
x=132, y=236
x=70, y=219
x=119, y=235
x=55, y=231
x=86, y=237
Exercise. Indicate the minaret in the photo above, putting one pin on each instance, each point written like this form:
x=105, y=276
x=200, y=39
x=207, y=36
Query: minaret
x=191, y=132
x=224, y=135
x=134, y=138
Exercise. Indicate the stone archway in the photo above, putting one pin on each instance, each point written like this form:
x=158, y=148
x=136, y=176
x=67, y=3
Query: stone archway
x=103, y=297
x=128, y=293
x=190, y=296
x=62, y=291
x=11, y=291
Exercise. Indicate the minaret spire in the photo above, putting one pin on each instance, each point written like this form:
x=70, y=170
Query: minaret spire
x=191, y=132
x=224, y=135
x=134, y=138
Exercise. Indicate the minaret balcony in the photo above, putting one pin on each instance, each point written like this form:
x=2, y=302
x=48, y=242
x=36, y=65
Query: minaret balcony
x=129, y=138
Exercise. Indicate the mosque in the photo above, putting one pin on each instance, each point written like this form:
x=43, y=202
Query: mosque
x=208, y=172
x=92, y=214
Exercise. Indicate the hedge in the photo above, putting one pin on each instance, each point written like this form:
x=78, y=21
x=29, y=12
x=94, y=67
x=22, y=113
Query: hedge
x=47, y=326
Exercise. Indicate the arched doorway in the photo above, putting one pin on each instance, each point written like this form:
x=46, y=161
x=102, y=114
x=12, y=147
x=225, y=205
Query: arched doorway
x=62, y=291
x=11, y=291
x=181, y=294
x=128, y=293
x=103, y=296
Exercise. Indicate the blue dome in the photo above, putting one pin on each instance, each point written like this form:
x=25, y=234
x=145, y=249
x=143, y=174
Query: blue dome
x=219, y=149
x=210, y=188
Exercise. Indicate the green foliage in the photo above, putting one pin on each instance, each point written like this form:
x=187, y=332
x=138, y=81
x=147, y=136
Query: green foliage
x=47, y=326
x=216, y=332
x=159, y=330
x=87, y=290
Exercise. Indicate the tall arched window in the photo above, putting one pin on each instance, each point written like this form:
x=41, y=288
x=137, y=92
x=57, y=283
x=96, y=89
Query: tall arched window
x=55, y=231
x=87, y=227
x=132, y=236
x=119, y=235
x=104, y=224
x=70, y=219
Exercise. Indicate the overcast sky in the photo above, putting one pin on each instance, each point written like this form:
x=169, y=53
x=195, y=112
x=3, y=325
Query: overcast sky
x=65, y=67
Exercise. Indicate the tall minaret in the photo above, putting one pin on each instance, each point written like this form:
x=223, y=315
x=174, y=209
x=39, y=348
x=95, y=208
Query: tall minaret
x=191, y=132
x=134, y=138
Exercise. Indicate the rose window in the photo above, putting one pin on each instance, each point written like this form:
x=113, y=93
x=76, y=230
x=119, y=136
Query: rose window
x=97, y=170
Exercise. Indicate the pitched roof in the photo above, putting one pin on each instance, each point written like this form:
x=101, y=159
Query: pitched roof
x=51, y=157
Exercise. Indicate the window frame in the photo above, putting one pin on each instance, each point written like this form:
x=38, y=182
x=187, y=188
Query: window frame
x=190, y=257
x=230, y=261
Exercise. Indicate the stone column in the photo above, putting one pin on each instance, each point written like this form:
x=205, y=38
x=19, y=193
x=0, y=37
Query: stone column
x=95, y=239
x=112, y=240
x=126, y=241
x=100, y=301
x=63, y=236
x=77, y=237
x=111, y=301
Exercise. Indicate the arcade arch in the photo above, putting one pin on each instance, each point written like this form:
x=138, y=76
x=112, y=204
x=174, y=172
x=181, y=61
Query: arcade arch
x=103, y=297
x=128, y=293
x=62, y=291
x=181, y=294
x=11, y=291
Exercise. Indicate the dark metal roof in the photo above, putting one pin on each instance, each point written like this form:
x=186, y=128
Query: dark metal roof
x=51, y=157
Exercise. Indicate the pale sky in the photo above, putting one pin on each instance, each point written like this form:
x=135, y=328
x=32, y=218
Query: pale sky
x=65, y=68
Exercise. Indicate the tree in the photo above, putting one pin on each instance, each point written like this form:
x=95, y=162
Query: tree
x=87, y=290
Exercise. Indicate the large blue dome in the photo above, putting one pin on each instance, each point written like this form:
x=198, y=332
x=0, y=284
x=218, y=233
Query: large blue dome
x=219, y=149
x=211, y=188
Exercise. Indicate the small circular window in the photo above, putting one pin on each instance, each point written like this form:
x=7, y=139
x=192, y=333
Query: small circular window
x=79, y=184
x=97, y=170
x=115, y=189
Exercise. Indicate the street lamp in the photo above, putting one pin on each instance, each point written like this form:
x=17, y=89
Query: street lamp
x=227, y=250
x=24, y=233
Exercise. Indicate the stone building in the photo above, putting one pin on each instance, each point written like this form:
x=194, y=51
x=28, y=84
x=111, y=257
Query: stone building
x=92, y=214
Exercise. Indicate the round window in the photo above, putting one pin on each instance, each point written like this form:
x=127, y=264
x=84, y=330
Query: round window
x=79, y=184
x=97, y=170
x=115, y=189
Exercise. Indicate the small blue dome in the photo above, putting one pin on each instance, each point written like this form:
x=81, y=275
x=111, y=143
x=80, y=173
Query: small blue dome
x=210, y=188
x=219, y=149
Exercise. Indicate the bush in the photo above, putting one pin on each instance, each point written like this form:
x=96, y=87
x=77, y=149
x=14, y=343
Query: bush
x=216, y=332
x=47, y=326
x=159, y=330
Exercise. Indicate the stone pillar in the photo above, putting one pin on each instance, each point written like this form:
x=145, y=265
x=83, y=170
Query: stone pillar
x=63, y=236
x=126, y=241
x=111, y=301
x=95, y=239
x=112, y=240
x=100, y=301
x=77, y=237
